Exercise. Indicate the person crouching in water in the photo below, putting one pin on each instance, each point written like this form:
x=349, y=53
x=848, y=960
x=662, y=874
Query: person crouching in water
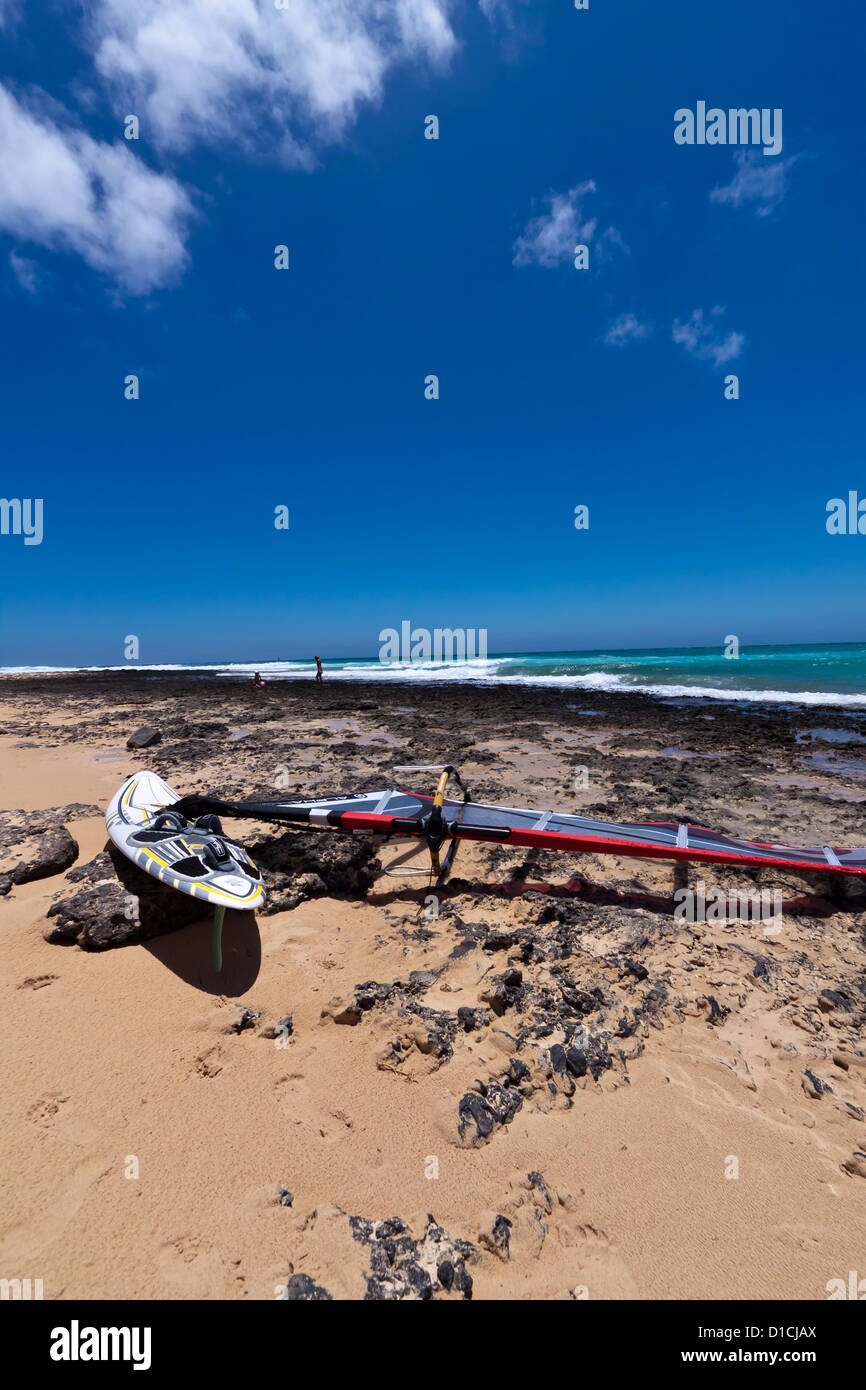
x=258, y=683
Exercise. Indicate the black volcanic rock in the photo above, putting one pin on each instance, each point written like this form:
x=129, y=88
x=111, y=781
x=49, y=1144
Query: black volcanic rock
x=117, y=903
x=401, y=1265
x=470, y=1020
x=300, y=1288
x=478, y=1116
x=145, y=737
x=306, y=864
x=36, y=844
x=435, y=1038
x=505, y=991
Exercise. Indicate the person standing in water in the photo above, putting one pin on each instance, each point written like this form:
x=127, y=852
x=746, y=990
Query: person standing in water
x=318, y=668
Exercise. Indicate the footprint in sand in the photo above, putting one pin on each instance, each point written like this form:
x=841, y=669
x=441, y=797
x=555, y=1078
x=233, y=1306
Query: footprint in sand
x=597, y=1266
x=185, y=1250
x=191, y=1265
x=292, y=1083
x=333, y=1126
x=210, y=1063
x=589, y=1238
x=44, y=1111
x=38, y=981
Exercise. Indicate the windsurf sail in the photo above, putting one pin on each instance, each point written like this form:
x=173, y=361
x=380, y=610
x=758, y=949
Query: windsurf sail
x=393, y=812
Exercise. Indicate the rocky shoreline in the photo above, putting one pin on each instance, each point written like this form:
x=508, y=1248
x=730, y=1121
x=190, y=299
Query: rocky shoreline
x=531, y=981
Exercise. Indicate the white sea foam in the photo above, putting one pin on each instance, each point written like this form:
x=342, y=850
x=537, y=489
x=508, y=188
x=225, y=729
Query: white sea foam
x=479, y=673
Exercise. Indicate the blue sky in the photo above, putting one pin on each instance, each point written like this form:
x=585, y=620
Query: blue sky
x=410, y=256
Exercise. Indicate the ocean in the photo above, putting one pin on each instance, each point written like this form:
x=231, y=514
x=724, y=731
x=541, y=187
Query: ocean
x=806, y=674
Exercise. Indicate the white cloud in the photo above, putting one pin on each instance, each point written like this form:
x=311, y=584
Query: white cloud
x=26, y=272
x=627, y=328
x=611, y=239
x=61, y=189
x=702, y=339
x=757, y=181
x=503, y=10
x=277, y=82
x=550, y=240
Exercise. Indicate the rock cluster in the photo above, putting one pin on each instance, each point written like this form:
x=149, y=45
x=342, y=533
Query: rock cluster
x=111, y=902
x=36, y=844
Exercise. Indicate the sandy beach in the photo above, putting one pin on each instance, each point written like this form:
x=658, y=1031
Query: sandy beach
x=369, y=1099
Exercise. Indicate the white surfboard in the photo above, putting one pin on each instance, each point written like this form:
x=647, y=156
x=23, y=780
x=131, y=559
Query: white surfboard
x=195, y=858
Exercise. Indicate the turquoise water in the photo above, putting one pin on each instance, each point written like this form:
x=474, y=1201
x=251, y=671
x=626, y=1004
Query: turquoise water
x=832, y=669
x=834, y=673
x=805, y=674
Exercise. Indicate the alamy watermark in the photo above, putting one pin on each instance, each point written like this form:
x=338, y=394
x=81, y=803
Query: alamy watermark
x=846, y=517
x=442, y=644
x=77, y=1343
x=714, y=126
x=23, y=1289
x=22, y=516
x=854, y=1289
